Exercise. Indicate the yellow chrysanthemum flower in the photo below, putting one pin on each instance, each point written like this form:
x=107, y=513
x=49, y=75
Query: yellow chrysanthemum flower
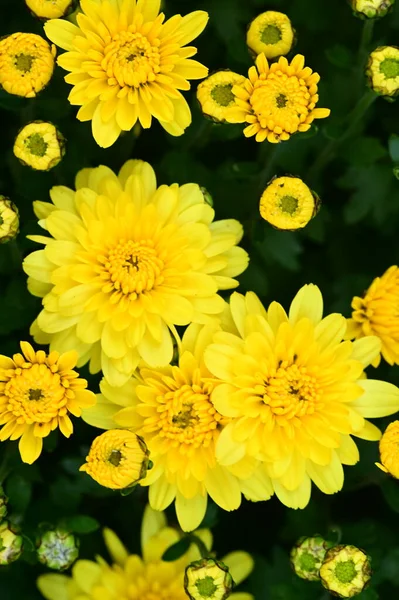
x=376, y=313
x=39, y=145
x=277, y=100
x=271, y=33
x=126, y=263
x=295, y=393
x=208, y=579
x=117, y=459
x=26, y=64
x=288, y=203
x=383, y=71
x=136, y=578
x=215, y=94
x=37, y=394
x=9, y=220
x=346, y=571
x=389, y=450
x=171, y=410
x=50, y=9
x=127, y=64
x=371, y=9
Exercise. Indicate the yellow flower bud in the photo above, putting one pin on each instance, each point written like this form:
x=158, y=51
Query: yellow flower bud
x=11, y=544
x=50, y=9
x=389, y=450
x=39, y=145
x=346, y=571
x=26, y=64
x=215, y=94
x=208, y=579
x=383, y=71
x=117, y=459
x=287, y=203
x=371, y=9
x=9, y=220
x=271, y=33
x=307, y=556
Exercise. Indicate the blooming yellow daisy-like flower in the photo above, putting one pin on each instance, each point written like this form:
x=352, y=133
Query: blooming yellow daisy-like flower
x=37, y=395
x=389, y=450
x=277, y=100
x=50, y=9
x=371, y=8
x=125, y=263
x=215, y=94
x=127, y=64
x=117, y=459
x=26, y=64
x=39, y=145
x=271, y=33
x=9, y=220
x=171, y=410
x=135, y=577
x=288, y=203
x=383, y=71
x=346, y=571
x=295, y=393
x=208, y=578
x=376, y=314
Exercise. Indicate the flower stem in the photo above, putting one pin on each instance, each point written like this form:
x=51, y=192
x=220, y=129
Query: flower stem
x=268, y=155
x=203, y=550
x=365, y=40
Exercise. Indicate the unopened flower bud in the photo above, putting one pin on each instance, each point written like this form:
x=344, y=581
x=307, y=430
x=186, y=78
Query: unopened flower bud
x=58, y=549
x=208, y=579
x=383, y=71
x=389, y=450
x=371, y=9
x=39, y=145
x=215, y=94
x=50, y=9
x=307, y=556
x=11, y=544
x=9, y=220
x=346, y=571
x=271, y=33
x=3, y=504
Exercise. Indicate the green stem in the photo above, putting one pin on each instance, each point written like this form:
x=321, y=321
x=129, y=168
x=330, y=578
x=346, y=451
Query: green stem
x=365, y=40
x=5, y=469
x=203, y=550
x=268, y=155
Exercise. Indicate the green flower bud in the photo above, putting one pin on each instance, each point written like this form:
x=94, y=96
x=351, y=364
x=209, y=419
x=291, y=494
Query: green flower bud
x=3, y=504
x=9, y=220
x=58, y=549
x=346, y=571
x=307, y=556
x=207, y=197
x=371, y=9
x=208, y=579
x=11, y=544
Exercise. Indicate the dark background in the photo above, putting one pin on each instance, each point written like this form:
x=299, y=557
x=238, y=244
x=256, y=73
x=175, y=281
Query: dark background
x=352, y=240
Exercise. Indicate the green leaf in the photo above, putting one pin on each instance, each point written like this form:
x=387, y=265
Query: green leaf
x=340, y=56
x=81, y=524
x=177, y=550
x=282, y=247
x=19, y=492
x=394, y=147
x=390, y=490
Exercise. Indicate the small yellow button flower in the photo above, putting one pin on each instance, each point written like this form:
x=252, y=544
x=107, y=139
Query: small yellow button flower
x=371, y=9
x=277, y=100
x=26, y=64
x=39, y=145
x=215, y=94
x=287, y=203
x=50, y=9
x=389, y=450
x=117, y=459
x=383, y=71
x=307, y=556
x=208, y=579
x=346, y=571
x=271, y=33
x=9, y=220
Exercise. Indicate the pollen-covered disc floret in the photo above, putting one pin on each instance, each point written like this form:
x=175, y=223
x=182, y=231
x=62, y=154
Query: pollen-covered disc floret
x=271, y=33
x=26, y=64
x=389, y=450
x=277, y=100
x=9, y=220
x=37, y=395
x=215, y=94
x=307, y=556
x=371, y=9
x=288, y=203
x=346, y=571
x=117, y=459
x=376, y=313
x=39, y=145
x=128, y=64
x=50, y=9
x=208, y=579
x=383, y=71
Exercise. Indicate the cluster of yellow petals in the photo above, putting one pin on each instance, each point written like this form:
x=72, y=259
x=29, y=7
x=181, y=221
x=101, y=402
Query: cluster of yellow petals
x=389, y=450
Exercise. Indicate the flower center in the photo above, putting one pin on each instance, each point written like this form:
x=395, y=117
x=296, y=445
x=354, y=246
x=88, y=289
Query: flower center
x=133, y=268
x=307, y=562
x=289, y=204
x=115, y=457
x=131, y=60
x=222, y=94
x=24, y=62
x=390, y=68
x=35, y=394
x=345, y=571
x=271, y=34
x=206, y=587
x=290, y=391
x=36, y=144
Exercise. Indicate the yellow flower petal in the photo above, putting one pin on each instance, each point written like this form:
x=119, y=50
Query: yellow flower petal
x=380, y=399
x=62, y=33
x=30, y=446
x=240, y=564
x=307, y=303
x=53, y=586
x=115, y=547
x=190, y=511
